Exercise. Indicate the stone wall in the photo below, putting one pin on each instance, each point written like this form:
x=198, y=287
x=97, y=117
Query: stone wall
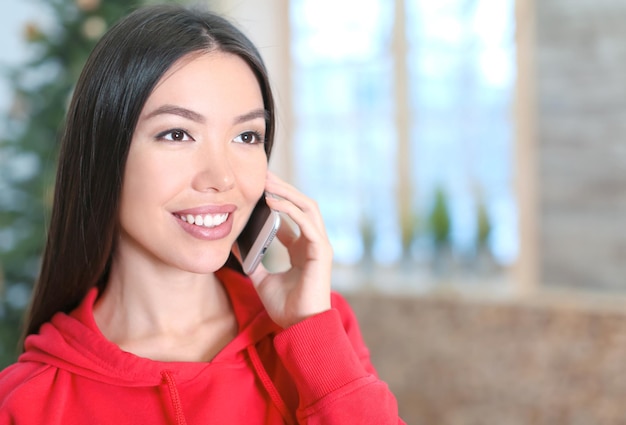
x=454, y=361
x=581, y=126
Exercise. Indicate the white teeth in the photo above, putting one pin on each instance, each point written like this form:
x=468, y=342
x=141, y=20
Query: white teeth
x=218, y=219
x=208, y=220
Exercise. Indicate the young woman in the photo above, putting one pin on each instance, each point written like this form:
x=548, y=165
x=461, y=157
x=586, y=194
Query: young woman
x=141, y=314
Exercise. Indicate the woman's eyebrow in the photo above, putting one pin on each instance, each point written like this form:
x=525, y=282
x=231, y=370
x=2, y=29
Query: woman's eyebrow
x=177, y=110
x=194, y=116
x=253, y=115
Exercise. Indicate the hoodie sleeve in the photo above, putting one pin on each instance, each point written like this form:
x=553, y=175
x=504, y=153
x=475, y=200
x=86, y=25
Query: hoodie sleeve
x=331, y=367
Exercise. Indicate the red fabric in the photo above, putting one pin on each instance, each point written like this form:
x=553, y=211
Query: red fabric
x=315, y=372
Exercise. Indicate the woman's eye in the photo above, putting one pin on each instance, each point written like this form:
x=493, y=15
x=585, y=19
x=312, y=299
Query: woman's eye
x=249, y=137
x=177, y=135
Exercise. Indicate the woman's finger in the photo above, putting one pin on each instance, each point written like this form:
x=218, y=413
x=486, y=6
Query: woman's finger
x=282, y=189
x=286, y=234
x=308, y=228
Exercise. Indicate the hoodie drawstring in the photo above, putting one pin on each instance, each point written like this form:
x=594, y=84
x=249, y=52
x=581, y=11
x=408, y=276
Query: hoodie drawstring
x=174, y=398
x=269, y=385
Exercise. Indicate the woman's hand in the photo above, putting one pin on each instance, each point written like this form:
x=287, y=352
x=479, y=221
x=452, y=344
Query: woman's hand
x=304, y=289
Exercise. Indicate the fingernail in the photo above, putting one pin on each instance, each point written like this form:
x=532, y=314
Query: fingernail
x=272, y=195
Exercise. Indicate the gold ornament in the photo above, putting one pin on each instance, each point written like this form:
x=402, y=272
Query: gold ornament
x=94, y=27
x=88, y=5
x=32, y=32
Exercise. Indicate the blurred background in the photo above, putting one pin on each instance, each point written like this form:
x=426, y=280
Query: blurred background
x=469, y=161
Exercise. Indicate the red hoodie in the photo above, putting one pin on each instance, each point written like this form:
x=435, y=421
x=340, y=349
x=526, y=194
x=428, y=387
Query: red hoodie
x=315, y=372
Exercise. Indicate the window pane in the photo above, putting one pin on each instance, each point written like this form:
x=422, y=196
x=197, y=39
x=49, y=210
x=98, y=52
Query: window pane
x=344, y=135
x=461, y=67
x=461, y=61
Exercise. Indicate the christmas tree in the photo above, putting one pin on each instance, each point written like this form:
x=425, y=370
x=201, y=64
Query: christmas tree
x=29, y=144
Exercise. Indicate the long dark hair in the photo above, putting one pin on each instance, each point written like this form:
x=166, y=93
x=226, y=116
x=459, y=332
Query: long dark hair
x=116, y=81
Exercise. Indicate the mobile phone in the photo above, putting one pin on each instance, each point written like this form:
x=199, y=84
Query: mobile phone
x=257, y=235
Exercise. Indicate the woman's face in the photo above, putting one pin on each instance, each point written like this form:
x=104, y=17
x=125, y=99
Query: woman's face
x=196, y=165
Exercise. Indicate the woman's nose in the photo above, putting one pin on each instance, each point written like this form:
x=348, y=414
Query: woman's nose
x=214, y=171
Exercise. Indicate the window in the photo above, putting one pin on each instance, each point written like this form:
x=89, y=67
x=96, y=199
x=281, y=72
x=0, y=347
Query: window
x=455, y=87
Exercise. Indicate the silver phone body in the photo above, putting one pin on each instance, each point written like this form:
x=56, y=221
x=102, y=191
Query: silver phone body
x=257, y=236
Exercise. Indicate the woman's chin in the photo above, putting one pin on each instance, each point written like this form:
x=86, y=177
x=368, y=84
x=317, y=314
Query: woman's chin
x=206, y=264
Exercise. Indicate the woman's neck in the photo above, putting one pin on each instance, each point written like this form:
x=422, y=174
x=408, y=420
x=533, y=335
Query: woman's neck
x=165, y=314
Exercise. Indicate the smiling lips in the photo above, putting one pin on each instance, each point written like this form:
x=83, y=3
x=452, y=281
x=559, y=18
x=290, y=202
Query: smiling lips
x=205, y=220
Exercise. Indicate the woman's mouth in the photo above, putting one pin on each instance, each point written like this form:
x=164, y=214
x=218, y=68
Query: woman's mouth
x=204, y=220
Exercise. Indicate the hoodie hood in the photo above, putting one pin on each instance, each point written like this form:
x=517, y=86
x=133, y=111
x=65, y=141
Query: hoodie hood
x=72, y=352
x=317, y=370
